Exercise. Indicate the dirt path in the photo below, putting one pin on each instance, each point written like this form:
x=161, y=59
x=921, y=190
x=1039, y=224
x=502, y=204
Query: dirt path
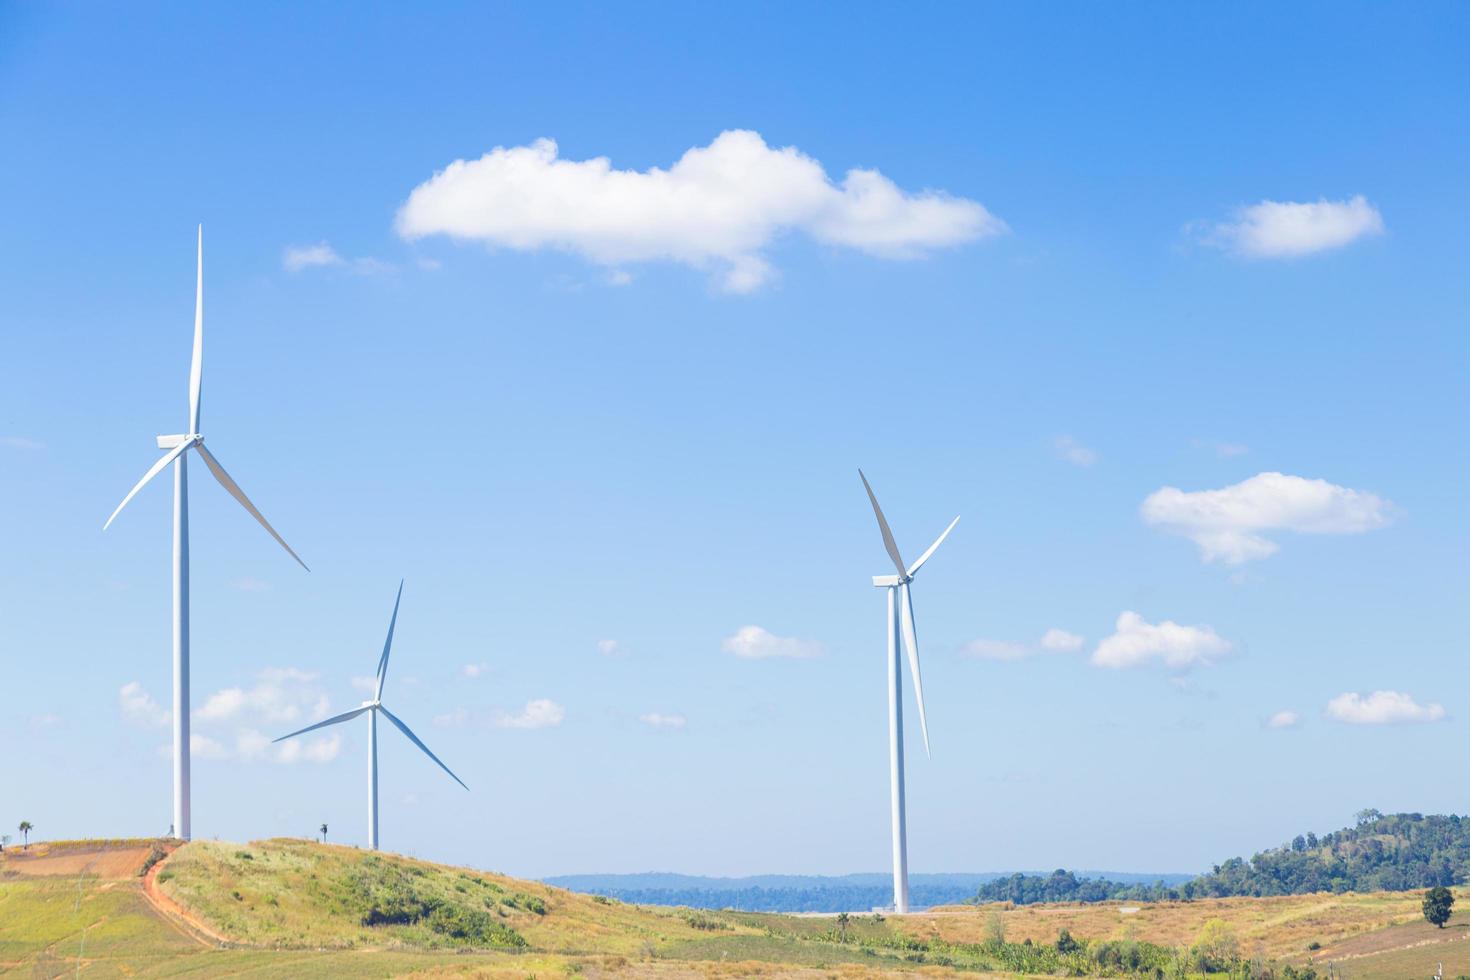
x=175, y=915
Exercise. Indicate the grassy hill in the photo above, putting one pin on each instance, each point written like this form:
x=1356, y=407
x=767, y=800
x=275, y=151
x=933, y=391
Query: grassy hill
x=290, y=908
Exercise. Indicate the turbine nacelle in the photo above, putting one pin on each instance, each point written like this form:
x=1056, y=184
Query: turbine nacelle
x=890, y=581
x=174, y=442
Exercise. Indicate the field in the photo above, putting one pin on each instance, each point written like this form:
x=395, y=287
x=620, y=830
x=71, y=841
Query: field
x=290, y=908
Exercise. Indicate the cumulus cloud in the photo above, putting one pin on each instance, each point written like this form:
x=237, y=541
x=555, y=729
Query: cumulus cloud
x=297, y=258
x=718, y=207
x=1229, y=524
x=1287, y=229
x=1052, y=641
x=281, y=694
x=656, y=720
x=279, y=697
x=1381, y=708
x=474, y=670
x=1136, y=642
x=755, y=643
x=139, y=708
x=540, y=713
x=1070, y=450
x=610, y=648
x=1284, y=719
x=1060, y=641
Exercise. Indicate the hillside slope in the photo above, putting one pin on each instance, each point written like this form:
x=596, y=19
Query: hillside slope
x=291, y=908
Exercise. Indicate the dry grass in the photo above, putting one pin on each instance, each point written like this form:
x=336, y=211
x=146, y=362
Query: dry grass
x=1282, y=928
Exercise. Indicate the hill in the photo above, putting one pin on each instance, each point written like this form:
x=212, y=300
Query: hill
x=797, y=893
x=1396, y=852
x=290, y=908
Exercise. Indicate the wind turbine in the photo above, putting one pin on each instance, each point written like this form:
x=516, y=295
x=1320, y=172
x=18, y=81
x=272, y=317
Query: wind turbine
x=901, y=623
x=371, y=708
x=178, y=447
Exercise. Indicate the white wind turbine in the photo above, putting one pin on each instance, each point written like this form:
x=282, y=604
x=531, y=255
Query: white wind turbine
x=371, y=708
x=901, y=624
x=178, y=447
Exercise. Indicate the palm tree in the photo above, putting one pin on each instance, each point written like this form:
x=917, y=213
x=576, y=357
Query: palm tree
x=324, y=833
x=842, y=920
x=25, y=831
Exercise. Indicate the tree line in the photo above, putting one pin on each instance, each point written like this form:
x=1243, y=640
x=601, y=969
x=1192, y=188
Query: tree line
x=1393, y=852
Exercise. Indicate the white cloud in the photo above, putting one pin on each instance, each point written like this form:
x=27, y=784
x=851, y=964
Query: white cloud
x=21, y=442
x=1052, y=641
x=282, y=694
x=1068, y=449
x=222, y=705
x=139, y=708
x=1060, y=641
x=321, y=255
x=1284, y=719
x=204, y=747
x=253, y=746
x=1229, y=524
x=317, y=750
x=611, y=648
x=298, y=257
x=755, y=643
x=1136, y=642
x=368, y=684
x=718, y=206
x=470, y=670
x=1286, y=229
x=657, y=720
x=540, y=713
x=1381, y=708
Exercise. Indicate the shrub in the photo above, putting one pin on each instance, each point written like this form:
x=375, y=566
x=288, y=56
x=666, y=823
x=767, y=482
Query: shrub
x=155, y=854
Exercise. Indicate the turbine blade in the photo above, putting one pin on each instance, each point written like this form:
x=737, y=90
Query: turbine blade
x=235, y=491
x=196, y=363
x=388, y=644
x=415, y=740
x=888, y=541
x=914, y=568
x=344, y=716
x=911, y=645
x=153, y=471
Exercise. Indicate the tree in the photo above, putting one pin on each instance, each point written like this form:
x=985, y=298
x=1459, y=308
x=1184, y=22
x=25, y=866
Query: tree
x=995, y=928
x=4, y=839
x=1065, y=942
x=324, y=833
x=842, y=920
x=1437, y=904
x=25, y=831
x=1216, y=947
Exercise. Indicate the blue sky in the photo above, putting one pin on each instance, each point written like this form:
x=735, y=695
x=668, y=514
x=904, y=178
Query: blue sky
x=573, y=427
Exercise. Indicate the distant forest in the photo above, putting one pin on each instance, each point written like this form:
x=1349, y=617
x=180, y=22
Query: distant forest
x=1396, y=852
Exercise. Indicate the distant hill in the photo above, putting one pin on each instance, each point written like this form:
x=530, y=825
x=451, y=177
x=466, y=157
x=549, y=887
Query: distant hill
x=1395, y=852
x=798, y=893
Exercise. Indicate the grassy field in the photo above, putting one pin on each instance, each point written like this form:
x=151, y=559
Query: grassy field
x=290, y=908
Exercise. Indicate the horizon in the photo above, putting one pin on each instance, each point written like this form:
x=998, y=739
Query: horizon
x=582, y=322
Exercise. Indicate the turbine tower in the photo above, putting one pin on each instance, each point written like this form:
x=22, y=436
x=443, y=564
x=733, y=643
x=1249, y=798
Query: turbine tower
x=372, y=708
x=901, y=629
x=178, y=447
